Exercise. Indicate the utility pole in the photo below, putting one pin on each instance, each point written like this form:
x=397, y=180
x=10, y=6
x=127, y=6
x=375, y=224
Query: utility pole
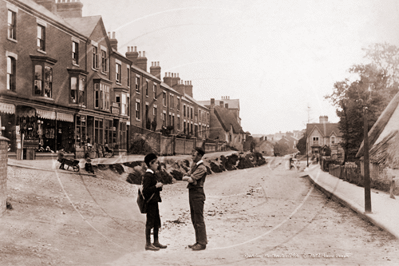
x=306, y=137
x=367, y=196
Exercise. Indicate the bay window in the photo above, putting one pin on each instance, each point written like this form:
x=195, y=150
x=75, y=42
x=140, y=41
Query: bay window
x=42, y=76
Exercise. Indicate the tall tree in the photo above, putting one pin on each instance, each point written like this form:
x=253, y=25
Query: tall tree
x=374, y=87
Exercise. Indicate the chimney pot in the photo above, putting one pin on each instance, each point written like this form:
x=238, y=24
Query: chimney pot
x=113, y=35
x=143, y=53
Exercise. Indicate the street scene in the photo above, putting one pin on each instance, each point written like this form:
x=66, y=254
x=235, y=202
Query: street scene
x=223, y=132
x=256, y=216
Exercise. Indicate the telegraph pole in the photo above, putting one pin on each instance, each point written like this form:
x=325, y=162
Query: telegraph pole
x=367, y=196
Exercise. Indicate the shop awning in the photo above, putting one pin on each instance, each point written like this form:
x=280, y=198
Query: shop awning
x=46, y=114
x=64, y=117
x=7, y=108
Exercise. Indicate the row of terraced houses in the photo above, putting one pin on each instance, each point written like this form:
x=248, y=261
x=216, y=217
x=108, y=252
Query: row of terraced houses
x=64, y=84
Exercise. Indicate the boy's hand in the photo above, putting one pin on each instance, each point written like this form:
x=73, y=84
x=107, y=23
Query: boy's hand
x=158, y=185
x=188, y=179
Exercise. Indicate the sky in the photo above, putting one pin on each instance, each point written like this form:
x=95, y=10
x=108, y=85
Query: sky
x=279, y=58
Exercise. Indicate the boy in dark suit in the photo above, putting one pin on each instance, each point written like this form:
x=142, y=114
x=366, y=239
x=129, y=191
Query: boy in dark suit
x=151, y=189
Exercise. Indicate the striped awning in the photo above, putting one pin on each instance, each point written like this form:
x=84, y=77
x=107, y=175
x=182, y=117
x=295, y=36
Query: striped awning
x=65, y=117
x=7, y=108
x=46, y=114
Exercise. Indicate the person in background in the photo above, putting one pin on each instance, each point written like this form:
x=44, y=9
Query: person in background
x=151, y=192
x=196, y=195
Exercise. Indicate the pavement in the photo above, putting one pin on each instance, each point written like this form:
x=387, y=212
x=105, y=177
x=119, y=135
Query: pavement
x=384, y=210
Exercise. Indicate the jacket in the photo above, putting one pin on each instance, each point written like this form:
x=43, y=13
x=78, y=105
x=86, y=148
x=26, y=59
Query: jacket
x=198, y=174
x=149, y=182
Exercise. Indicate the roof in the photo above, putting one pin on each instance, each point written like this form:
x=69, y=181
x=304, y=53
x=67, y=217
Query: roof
x=44, y=11
x=380, y=124
x=385, y=151
x=84, y=25
x=260, y=143
x=326, y=129
x=193, y=100
x=227, y=120
x=233, y=103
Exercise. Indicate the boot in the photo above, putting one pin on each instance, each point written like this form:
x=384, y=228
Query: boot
x=148, y=245
x=156, y=240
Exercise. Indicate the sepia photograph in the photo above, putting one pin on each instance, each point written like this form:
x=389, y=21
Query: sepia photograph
x=199, y=132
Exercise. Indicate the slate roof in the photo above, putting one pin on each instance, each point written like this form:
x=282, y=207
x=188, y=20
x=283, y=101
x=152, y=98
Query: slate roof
x=380, y=124
x=326, y=129
x=84, y=25
x=227, y=119
x=44, y=11
x=233, y=103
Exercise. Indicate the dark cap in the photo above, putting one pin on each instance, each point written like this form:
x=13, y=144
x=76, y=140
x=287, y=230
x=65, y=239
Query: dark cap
x=149, y=157
x=200, y=151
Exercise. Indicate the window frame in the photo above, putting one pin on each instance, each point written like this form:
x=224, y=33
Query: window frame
x=94, y=53
x=11, y=70
x=41, y=40
x=118, y=73
x=75, y=54
x=104, y=61
x=12, y=26
x=137, y=109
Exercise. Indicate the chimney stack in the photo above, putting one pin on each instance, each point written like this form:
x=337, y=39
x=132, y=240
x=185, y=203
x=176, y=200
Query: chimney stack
x=132, y=54
x=168, y=79
x=67, y=8
x=323, y=119
x=142, y=61
x=180, y=87
x=212, y=101
x=155, y=69
x=49, y=4
x=189, y=88
x=113, y=41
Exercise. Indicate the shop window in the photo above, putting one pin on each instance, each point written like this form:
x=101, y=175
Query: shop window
x=122, y=136
x=12, y=25
x=81, y=128
x=11, y=76
x=98, y=131
x=41, y=37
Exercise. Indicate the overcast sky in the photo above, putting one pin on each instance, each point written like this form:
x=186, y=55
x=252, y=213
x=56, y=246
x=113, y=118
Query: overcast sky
x=277, y=57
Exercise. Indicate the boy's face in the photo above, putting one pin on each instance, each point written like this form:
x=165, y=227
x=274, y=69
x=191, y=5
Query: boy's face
x=196, y=156
x=154, y=165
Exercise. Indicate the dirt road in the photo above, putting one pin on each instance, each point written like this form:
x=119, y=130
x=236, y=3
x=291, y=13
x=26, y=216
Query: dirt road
x=257, y=216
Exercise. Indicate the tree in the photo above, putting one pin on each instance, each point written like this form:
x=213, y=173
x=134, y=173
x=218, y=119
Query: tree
x=301, y=146
x=374, y=87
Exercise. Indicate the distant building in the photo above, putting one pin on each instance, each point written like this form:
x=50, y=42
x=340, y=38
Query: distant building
x=323, y=134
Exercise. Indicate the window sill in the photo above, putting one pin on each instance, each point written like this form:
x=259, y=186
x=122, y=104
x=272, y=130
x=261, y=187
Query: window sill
x=94, y=69
x=137, y=119
x=43, y=98
x=118, y=83
x=12, y=40
x=74, y=64
x=41, y=51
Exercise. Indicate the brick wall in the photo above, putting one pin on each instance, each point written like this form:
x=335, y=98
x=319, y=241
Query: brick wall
x=3, y=173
